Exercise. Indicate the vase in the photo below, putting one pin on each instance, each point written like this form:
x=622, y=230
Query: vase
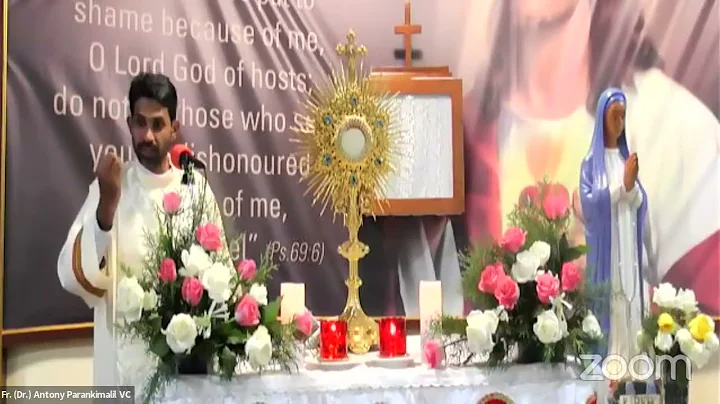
x=676, y=384
x=193, y=364
x=529, y=353
x=534, y=352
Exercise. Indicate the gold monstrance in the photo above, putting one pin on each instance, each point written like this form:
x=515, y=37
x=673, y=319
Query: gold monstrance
x=350, y=137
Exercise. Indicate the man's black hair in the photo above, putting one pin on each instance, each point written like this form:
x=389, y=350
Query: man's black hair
x=155, y=86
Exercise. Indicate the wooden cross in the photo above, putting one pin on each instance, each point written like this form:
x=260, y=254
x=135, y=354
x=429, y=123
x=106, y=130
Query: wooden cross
x=407, y=30
x=351, y=51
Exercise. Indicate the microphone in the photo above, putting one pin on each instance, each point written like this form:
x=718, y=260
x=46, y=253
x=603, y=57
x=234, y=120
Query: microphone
x=182, y=157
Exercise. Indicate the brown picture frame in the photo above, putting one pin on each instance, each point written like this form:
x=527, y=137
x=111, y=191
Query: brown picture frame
x=427, y=81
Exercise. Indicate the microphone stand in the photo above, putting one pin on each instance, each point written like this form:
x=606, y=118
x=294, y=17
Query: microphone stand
x=188, y=179
x=188, y=167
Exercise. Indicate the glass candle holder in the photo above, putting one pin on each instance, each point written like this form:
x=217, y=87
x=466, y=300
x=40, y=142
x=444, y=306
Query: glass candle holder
x=393, y=337
x=333, y=340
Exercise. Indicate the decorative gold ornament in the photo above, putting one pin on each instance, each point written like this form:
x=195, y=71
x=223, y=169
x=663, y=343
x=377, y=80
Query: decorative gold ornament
x=350, y=137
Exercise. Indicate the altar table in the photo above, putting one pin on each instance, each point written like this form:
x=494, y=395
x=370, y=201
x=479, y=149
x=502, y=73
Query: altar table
x=523, y=384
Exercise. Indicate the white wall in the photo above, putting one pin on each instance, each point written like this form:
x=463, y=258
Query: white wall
x=69, y=363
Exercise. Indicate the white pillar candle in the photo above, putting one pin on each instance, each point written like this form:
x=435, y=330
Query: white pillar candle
x=430, y=300
x=292, y=302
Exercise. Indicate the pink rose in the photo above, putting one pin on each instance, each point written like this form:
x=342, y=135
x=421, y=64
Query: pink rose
x=303, y=322
x=433, y=353
x=529, y=196
x=571, y=277
x=507, y=292
x=247, y=313
x=167, y=272
x=192, y=291
x=246, y=269
x=171, y=202
x=513, y=239
x=547, y=287
x=555, y=206
x=208, y=235
x=490, y=276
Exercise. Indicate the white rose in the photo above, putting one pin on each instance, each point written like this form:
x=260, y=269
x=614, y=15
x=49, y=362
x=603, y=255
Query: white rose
x=130, y=298
x=541, y=250
x=488, y=319
x=181, y=333
x=481, y=327
x=525, y=267
x=150, y=301
x=712, y=343
x=664, y=296
x=259, y=348
x=663, y=341
x=195, y=261
x=479, y=340
x=259, y=293
x=547, y=327
x=216, y=280
x=685, y=301
x=591, y=326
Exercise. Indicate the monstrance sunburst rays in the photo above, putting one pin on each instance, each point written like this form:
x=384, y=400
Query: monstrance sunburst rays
x=345, y=101
x=352, y=139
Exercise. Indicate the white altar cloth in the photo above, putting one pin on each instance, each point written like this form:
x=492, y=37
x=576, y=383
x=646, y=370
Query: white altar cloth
x=524, y=384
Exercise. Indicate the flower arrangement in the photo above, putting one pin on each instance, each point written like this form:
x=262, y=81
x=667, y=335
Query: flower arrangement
x=528, y=289
x=193, y=307
x=676, y=327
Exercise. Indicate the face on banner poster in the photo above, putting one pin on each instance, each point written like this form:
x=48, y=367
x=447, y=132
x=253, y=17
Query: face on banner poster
x=531, y=71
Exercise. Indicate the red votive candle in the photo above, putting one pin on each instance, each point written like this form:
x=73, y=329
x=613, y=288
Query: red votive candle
x=392, y=337
x=333, y=339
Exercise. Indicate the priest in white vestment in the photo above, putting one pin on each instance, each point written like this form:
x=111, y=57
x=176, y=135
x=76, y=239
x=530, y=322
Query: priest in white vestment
x=614, y=205
x=109, y=230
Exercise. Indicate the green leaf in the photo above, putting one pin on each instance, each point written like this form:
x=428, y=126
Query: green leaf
x=270, y=312
x=227, y=361
x=571, y=254
x=156, y=323
x=564, y=244
x=276, y=329
x=454, y=325
x=237, y=337
x=224, y=329
x=159, y=346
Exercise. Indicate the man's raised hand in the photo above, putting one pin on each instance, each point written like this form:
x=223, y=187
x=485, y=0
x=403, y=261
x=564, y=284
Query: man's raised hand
x=108, y=176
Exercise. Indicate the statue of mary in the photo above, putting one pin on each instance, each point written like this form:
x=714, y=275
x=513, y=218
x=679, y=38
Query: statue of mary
x=614, y=204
